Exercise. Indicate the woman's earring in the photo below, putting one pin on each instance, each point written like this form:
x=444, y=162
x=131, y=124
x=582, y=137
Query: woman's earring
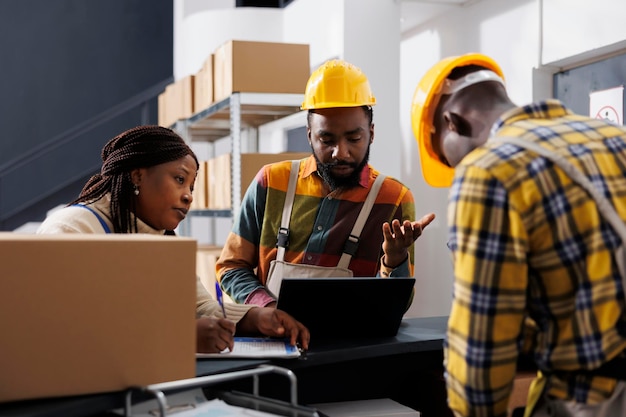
x=136, y=187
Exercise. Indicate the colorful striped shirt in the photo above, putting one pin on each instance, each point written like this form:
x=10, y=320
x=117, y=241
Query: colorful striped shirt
x=321, y=222
x=529, y=245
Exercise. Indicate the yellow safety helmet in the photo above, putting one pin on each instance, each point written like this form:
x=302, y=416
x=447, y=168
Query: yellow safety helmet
x=425, y=100
x=337, y=83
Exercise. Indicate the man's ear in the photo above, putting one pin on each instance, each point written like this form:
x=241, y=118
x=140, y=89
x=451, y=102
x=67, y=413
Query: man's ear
x=371, y=133
x=451, y=120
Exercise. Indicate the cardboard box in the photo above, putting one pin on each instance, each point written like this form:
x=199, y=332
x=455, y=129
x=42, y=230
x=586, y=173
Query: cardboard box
x=260, y=67
x=177, y=101
x=220, y=174
x=181, y=100
x=86, y=314
x=200, y=190
x=162, y=110
x=166, y=115
x=205, y=268
x=219, y=182
x=203, y=86
x=383, y=407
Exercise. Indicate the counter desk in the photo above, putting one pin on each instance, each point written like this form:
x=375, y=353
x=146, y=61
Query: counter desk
x=407, y=368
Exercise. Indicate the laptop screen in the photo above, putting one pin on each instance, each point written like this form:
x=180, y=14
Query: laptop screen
x=347, y=307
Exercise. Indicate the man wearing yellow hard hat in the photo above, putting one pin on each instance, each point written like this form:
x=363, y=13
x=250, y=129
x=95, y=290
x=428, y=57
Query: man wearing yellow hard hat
x=535, y=260
x=330, y=214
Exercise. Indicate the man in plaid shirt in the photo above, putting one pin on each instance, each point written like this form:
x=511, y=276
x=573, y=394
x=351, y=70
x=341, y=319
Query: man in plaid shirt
x=534, y=261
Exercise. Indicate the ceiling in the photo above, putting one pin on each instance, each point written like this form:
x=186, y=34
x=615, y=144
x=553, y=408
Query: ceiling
x=415, y=12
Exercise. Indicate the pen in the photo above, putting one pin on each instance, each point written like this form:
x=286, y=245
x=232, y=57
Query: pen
x=220, y=299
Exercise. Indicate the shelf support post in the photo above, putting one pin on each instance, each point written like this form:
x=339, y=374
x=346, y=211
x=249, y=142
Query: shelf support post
x=235, y=156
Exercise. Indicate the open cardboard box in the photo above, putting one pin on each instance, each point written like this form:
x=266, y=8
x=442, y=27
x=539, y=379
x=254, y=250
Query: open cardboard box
x=94, y=313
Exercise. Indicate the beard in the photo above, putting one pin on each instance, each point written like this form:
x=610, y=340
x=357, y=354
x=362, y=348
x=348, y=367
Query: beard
x=335, y=182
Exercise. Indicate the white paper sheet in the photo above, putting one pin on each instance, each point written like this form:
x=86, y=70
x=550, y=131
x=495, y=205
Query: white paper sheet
x=256, y=347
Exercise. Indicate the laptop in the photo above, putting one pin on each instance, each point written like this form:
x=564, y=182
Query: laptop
x=340, y=308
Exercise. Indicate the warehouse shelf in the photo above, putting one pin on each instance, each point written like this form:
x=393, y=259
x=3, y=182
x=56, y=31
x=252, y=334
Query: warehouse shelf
x=226, y=119
x=238, y=111
x=211, y=213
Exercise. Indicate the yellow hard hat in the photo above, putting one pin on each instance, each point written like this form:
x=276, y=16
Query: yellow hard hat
x=425, y=100
x=337, y=83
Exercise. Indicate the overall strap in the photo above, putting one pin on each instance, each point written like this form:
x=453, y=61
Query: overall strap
x=100, y=219
x=283, y=232
x=353, y=240
x=604, y=205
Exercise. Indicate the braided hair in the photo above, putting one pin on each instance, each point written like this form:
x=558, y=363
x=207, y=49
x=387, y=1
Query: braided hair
x=139, y=147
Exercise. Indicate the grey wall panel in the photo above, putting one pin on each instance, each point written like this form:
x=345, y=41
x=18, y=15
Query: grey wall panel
x=573, y=86
x=63, y=62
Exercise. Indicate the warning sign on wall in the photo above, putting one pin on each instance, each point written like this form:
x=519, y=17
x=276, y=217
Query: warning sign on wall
x=608, y=104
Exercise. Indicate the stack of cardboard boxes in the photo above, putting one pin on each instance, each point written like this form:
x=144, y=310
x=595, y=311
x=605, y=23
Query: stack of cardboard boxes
x=237, y=66
x=203, y=86
x=213, y=191
x=177, y=101
x=213, y=186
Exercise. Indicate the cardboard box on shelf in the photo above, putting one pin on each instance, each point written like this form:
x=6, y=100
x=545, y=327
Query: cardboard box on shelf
x=181, y=105
x=85, y=314
x=166, y=114
x=205, y=268
x=162, y=109
x=203, y=86
x=219, y=181
x=200, y=190
x=260, y=67
x=177, y=101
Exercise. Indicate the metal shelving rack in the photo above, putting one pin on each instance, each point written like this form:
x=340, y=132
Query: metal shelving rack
x=227, y=118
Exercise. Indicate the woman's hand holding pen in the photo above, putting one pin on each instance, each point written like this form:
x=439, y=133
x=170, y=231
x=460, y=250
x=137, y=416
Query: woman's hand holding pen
x=275, y=323
x=214, y=334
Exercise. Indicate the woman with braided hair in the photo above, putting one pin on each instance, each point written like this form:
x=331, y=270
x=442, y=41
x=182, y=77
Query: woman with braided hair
x=145, y=185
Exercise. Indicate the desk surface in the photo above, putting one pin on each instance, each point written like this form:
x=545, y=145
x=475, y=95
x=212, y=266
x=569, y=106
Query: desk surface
x=415, y=335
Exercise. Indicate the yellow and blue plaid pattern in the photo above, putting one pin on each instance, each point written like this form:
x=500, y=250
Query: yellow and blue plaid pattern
x=529, y=246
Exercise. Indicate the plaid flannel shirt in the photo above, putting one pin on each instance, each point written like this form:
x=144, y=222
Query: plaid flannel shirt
x=529, y=246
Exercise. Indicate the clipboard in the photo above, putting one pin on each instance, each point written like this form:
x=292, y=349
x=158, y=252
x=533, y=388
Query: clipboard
x=256, y=347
